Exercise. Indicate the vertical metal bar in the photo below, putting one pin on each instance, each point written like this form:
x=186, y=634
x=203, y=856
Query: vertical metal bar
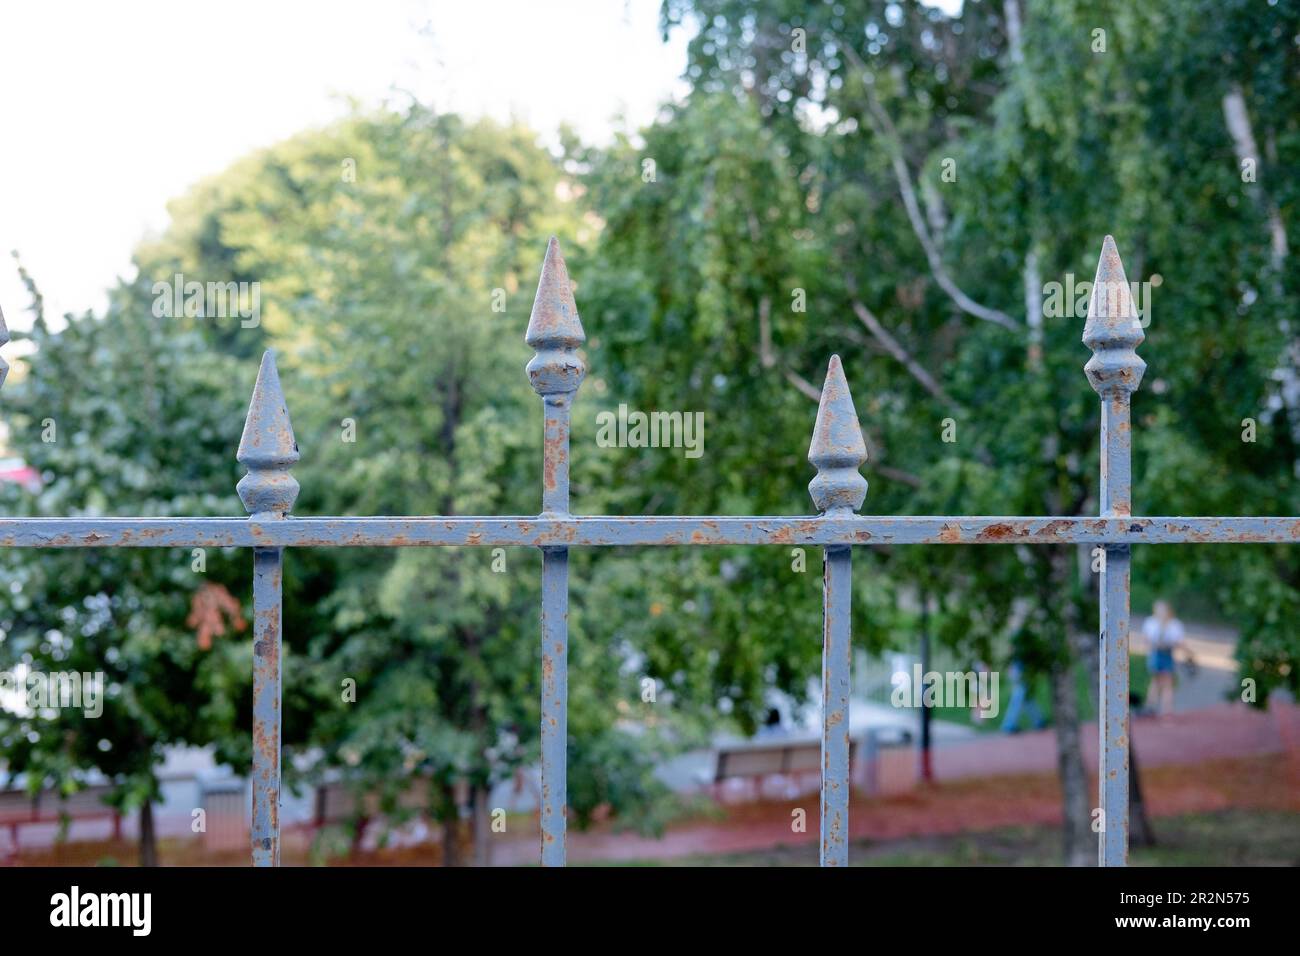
x=268, y=450
x=556, y=371
x=1114, y=717
x=837, y=582
x=267, y=696
x=1113, y=332
x=837, y=451
x=555, y=703
x=555, y=637
x=1113, y=694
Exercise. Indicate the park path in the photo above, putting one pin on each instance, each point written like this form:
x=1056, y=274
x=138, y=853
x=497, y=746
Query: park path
x=1193, y=736
x=996, y=781
x=1211, y=758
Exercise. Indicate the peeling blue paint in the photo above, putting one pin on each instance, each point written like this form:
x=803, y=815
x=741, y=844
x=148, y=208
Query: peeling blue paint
x=268, y=491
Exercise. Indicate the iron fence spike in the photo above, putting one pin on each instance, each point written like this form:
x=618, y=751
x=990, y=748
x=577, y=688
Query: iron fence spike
x=267, y=448
x=837, y=449
x=554, y=329
x=1113, y=329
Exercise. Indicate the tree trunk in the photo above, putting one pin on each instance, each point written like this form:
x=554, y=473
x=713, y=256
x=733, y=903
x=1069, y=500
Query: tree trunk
x=450, y=826
x=1076, y=827
x=927, y=768
x=1139, y=825
x=480, y=829
x=1069, y=763
x=451, y=842
x=148, y=839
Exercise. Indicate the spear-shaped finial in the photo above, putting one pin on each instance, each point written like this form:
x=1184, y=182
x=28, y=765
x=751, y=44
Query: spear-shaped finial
x=267, y=449
x=554, y=330
x=4, y=340
x=837, y=449
x=1113, y=329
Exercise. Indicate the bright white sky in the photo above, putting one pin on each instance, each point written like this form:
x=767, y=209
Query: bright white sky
x=108, y=110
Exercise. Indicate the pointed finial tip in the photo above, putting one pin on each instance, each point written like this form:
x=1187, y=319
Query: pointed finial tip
x=267, y=447
x=1110, y=268
x=553, y=255
x=837, y=449
x=554, y=329
x=835, y=381
x=1113, y=329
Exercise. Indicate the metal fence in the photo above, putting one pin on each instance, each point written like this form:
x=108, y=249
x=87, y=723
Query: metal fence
x=268, y=451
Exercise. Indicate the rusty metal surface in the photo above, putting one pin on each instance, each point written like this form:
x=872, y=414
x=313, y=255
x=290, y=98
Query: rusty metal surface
x=268, y=450
x=555, y=371
x=1113, y=331
x=837, y=452
x=268, y=569
x=610, y=531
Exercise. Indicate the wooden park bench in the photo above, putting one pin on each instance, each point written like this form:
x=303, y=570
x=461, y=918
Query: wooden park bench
x=18, y=809
x=798, y=759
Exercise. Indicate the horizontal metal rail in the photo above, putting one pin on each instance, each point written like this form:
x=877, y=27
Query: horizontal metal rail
x=268, y=450
x=612, y=531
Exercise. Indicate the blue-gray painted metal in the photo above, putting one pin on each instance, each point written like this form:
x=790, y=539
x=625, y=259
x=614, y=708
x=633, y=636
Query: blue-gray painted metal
x=1113, y=331
x=267, y=697
x=837, y=653
x=612, y=531
x=268, y=450
x=556, y=370
x=555, y=703
x=837, y=452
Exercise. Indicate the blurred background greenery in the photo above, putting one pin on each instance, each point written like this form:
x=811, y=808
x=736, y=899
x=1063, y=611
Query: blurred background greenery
x=882, y=180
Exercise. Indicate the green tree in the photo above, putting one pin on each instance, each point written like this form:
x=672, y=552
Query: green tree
x=121, y=417
x=921, y=178
x=397, y=256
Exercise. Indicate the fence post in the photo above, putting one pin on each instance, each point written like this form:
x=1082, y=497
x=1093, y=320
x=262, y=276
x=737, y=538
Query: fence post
x=837, y=451
x=556, y=371
x=268, y=450
x=1113, y=331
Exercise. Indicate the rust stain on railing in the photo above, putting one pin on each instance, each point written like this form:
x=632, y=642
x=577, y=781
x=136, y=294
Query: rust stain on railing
x=268, y=450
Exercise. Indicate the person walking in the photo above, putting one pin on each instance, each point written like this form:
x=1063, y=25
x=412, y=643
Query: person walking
x=1164, y=633
x=1021, y=701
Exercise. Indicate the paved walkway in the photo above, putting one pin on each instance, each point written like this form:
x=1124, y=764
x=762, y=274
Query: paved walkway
x=1234, y=740
x=1211, y=758
x=1220, y=731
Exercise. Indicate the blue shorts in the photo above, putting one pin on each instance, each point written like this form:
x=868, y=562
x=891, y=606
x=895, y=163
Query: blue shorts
x=1161, y=661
